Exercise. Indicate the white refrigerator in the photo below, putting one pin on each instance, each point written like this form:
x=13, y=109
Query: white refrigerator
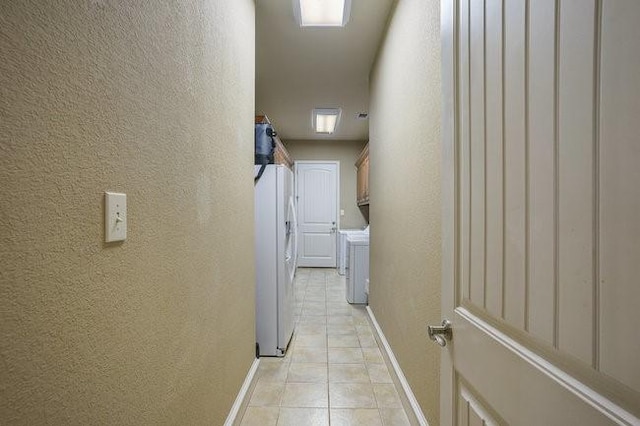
x=276, y=259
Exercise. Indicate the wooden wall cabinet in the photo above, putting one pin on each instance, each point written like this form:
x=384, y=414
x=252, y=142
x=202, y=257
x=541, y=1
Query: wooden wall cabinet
x=362, y=166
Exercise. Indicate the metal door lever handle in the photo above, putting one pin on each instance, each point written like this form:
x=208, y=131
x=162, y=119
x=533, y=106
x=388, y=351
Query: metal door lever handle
x=440, y=333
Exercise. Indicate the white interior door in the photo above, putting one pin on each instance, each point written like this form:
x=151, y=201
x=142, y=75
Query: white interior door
x=541, y=212
x=317, y=191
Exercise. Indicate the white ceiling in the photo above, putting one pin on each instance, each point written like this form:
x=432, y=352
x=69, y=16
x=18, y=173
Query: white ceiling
x=298, y=69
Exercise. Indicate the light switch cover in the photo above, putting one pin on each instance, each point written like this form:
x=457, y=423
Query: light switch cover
x=115, y=217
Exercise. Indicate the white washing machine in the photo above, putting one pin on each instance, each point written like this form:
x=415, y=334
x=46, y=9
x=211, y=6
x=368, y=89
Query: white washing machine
x=342, y=252
x=358, y=268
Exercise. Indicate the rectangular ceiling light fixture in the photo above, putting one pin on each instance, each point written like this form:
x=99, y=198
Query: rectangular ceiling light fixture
x=322, y=13
x=325, y=120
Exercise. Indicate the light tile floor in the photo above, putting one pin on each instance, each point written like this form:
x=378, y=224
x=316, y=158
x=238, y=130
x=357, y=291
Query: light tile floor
x=333, y=372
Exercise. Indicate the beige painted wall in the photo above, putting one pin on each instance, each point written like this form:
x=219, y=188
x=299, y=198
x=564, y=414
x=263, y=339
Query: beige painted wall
x=347, y=153
x=405, y=193
x=154, y=99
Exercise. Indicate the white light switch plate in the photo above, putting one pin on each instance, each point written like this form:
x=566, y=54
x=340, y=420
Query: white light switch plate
x=115, y=217
x=341, y=212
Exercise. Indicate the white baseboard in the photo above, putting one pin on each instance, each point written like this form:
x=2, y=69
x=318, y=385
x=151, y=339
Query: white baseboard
x=409, y=400
x=240, y=404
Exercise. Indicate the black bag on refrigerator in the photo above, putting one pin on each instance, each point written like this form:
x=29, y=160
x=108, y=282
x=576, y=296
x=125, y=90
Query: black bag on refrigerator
x=265, y=147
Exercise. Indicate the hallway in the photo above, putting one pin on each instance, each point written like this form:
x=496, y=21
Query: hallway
x=333, y=372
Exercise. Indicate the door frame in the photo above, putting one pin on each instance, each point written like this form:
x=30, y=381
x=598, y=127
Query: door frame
x=449, y=175
x=297, y=195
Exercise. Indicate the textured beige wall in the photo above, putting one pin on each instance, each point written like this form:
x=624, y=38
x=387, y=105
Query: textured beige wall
x=347, y=153
x=405, y=193
x=154, y=99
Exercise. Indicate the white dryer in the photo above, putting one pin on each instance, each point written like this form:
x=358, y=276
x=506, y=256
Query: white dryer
x=342, y=252
x=358, y=268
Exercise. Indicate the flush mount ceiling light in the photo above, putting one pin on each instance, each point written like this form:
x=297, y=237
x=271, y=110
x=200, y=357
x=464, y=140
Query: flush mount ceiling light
x=322, y=13
x=325, y=120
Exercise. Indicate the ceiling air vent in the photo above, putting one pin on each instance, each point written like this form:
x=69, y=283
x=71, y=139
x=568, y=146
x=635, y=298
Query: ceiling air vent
x=362, y=115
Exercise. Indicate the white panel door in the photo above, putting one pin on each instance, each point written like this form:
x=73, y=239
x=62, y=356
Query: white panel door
x=317, y=185
x=541, y=248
